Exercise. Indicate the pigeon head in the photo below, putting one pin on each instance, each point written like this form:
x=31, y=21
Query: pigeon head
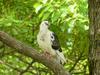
x=44, y=25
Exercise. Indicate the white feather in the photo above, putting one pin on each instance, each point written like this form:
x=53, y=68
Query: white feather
x=44, y=34
x=44, y=41
x=61, y=57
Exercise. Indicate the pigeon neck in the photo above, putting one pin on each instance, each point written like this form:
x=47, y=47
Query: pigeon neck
x=43, y=30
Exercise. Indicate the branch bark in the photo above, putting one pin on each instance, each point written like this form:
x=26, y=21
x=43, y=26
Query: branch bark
x=30, y=52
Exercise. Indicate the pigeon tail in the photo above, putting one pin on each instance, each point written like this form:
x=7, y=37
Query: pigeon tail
x=61, y=57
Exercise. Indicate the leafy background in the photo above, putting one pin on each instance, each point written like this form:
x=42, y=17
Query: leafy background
x=21, y=19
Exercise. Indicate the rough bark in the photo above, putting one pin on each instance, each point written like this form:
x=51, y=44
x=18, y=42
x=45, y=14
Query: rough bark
x=94, y=48
x=30, y=52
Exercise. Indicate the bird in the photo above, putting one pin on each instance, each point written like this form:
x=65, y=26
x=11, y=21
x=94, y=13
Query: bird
x=48, y=41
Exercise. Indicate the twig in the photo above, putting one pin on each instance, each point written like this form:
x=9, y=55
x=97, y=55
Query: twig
x=76, y=61
x=30, y=65
x=14, y=68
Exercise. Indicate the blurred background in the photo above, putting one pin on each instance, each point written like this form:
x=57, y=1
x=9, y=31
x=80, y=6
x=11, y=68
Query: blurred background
x=21, y=19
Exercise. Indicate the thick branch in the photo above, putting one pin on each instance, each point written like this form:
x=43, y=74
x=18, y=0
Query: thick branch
x=30, y=52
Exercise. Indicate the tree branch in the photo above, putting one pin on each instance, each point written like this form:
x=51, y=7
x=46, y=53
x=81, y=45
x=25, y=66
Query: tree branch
x=30, y=52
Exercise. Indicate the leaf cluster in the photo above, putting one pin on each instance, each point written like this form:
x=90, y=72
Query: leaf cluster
x=68, y=19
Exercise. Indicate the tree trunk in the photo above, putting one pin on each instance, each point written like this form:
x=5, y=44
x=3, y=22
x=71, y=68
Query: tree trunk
x=94, y=48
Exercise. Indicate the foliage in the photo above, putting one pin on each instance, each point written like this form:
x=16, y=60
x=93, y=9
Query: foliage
x=21, y=19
